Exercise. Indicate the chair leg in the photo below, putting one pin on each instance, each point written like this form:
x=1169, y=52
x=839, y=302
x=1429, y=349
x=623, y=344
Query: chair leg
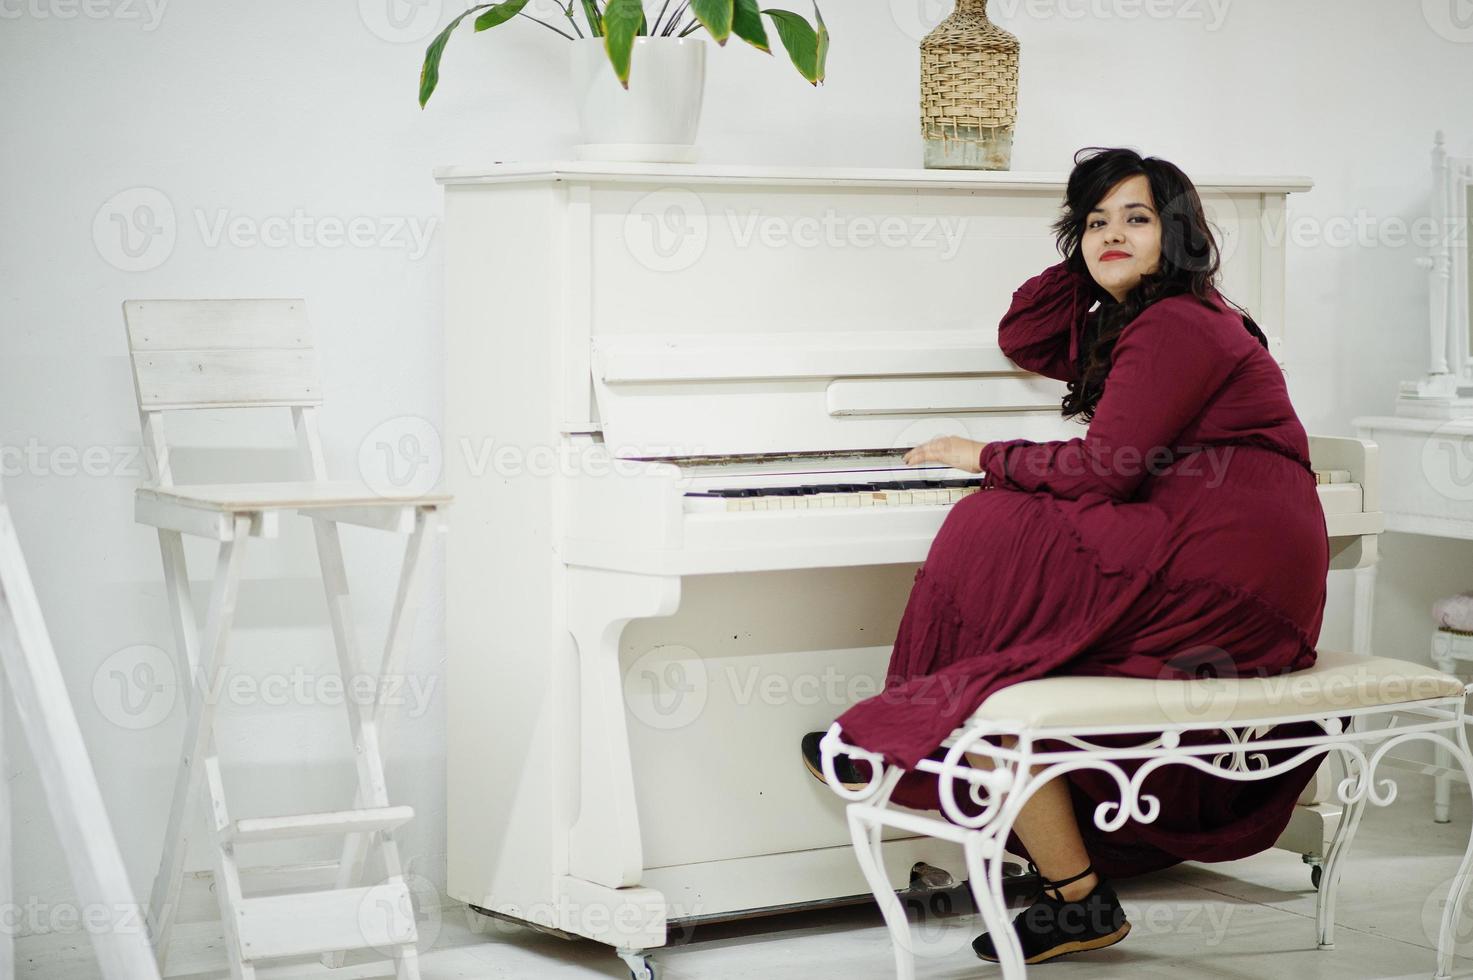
x=186, y=639
x=363, y=721
x=865, y=831
x=984, y=869
x=401, y=624
x=199, y=733
x=1458, y=892
x=228, y=895
x=1335, y=861
x=1442, y=780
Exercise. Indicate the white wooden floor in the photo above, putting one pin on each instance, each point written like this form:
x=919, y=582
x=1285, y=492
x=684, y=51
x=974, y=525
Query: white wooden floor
x=1250, y=919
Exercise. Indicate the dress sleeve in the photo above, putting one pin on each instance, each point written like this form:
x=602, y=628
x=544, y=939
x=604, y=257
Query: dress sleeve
x=1040, y=331
x=1167, y=366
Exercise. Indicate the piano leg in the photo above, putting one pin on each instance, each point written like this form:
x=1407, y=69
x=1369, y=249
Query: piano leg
x=1365, y=600
x=604, y=844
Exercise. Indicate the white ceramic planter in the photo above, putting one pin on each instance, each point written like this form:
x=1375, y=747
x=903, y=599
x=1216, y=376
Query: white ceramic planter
x=656, y=118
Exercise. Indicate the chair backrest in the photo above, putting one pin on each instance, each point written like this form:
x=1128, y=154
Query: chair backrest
x=222, y=353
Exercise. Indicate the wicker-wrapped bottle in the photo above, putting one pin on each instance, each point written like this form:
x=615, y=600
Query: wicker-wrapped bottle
x=969, y=91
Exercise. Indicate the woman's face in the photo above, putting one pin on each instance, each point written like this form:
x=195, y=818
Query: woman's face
x=1122, y=237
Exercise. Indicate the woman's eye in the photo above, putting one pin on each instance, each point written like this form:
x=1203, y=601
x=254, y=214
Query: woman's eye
x=1144, y=218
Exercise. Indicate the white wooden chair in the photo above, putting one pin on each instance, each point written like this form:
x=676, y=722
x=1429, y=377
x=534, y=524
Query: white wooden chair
x=199, y=354
x=34, y=683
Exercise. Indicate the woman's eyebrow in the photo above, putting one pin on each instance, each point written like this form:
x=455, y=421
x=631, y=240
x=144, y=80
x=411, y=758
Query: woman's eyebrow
x=1132, y=204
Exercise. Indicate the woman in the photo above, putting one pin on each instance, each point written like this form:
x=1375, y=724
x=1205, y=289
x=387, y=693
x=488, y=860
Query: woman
x=1182, y=536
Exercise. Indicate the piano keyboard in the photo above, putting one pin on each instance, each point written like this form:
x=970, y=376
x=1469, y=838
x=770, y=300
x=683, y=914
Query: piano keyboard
x=890, y=493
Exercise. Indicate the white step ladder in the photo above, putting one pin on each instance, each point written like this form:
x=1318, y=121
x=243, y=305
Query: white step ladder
x=31, y=677
x=195, y=354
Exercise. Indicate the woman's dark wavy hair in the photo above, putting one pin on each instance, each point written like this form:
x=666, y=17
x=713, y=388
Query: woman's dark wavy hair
x=1189, y=257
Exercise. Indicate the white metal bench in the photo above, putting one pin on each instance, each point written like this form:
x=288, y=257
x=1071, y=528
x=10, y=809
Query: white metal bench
x=1389, y=702
x=1414, y=703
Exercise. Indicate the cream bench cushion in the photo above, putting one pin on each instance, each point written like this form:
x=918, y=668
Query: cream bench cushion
x=1338, y=681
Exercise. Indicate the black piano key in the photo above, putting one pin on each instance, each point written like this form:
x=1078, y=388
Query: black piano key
x=816, y=488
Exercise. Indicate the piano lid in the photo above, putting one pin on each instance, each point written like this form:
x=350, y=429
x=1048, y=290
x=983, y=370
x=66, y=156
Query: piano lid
x=761, y=393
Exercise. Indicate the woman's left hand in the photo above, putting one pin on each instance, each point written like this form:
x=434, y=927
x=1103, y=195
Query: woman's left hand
x=954, y=451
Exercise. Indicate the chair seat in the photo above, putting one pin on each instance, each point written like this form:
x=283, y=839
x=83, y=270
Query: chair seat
x=306, y=494
x=1338, y=680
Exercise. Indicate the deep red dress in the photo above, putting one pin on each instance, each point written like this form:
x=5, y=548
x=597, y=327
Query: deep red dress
x=1181, y=536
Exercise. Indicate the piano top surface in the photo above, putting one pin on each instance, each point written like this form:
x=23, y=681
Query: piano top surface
x=793, y=174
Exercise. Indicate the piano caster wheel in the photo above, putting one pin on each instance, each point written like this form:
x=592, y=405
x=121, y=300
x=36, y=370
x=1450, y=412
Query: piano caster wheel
x=1316, y=869
x=641, y=965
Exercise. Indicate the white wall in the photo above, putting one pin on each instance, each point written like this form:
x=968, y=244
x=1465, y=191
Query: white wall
x=211, y=111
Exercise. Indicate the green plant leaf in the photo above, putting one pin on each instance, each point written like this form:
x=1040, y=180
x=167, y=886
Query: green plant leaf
x=746, y=23
x=622, y=21
x=715, y=16
x=823, y=42
x=499, y=14
x=595, y=19
x=808, y=48
x=429, y=73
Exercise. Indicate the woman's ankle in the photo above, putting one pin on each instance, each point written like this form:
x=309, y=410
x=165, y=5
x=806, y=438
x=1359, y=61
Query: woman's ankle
x=1077, y=890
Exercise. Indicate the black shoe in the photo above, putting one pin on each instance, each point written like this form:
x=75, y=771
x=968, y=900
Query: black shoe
x=1052, y=927
x=854, y=775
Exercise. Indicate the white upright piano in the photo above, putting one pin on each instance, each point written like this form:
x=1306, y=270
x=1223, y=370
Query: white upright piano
x=671, y=391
